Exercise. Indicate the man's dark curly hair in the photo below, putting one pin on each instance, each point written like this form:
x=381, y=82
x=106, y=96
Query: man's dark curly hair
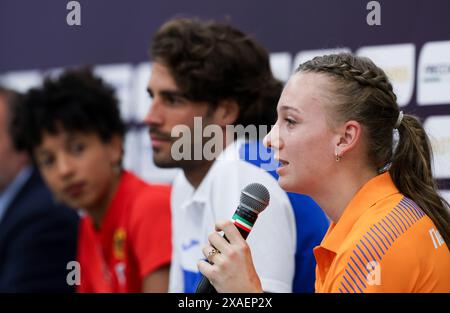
x=77, y=101
x=212, y=61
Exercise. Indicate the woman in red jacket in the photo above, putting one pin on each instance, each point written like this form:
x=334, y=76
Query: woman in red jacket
x=73, y=129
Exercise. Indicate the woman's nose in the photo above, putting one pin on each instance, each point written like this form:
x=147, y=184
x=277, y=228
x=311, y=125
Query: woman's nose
x=272, y=139
x=65, y=166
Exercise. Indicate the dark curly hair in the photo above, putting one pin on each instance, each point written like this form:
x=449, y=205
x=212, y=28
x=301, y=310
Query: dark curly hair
x=77, y=101
x=212, y=61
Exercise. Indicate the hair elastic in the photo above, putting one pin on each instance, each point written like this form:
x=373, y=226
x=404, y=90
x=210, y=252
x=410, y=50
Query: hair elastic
x=399, y=120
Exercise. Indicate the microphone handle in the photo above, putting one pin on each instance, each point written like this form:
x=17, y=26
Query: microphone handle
x=244, y=220
x=205, y=286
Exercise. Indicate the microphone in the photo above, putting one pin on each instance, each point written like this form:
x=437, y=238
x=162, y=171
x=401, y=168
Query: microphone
x=254, y=199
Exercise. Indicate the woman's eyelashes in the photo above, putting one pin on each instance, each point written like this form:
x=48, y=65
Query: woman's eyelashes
x=76, y=148
x=290, y=122
x=45, y=159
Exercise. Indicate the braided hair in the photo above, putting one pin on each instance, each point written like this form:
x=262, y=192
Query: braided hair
x=364, y=94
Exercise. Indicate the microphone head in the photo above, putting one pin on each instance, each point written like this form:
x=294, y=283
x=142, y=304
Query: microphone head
x=255, y=196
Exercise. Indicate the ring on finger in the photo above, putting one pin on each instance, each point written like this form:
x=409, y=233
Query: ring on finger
x=211, y=254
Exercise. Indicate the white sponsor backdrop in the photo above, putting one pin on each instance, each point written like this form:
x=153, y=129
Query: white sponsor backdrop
x=398, y=60
x=433, y=79
x=438, y=128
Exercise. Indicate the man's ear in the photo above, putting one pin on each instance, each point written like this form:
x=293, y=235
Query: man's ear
x=226, y=113
x=348, y=137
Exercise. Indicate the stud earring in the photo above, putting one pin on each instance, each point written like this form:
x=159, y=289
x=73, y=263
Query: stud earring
x=338, y=158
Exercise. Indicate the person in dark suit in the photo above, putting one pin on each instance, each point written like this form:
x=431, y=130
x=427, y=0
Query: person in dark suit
x=38, y=237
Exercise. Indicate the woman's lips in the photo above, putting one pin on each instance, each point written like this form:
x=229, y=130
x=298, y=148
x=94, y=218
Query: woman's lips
x=282, y=166
x=74, y=190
